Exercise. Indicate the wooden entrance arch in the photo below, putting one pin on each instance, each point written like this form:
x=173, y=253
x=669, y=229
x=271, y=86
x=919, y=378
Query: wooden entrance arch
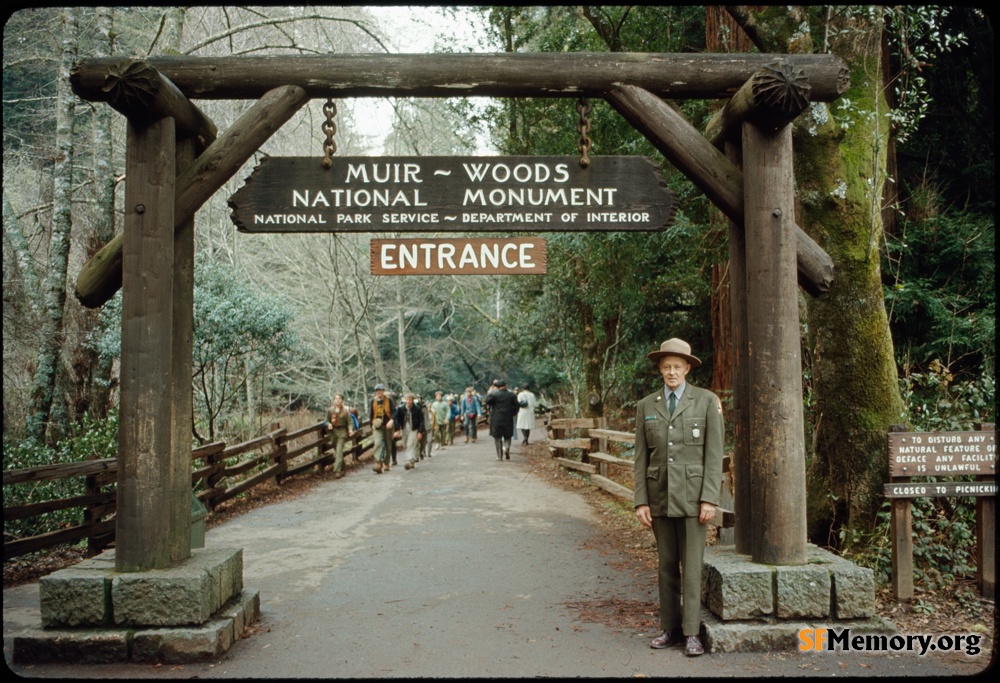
x=176, y=160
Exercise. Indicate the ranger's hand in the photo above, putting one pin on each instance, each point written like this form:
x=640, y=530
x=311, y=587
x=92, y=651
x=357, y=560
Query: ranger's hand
x=644, y=515
x=707, y=513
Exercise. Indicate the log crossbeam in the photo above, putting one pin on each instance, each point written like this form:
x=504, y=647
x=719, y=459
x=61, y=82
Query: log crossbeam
x=711, y=172
x=575, y=74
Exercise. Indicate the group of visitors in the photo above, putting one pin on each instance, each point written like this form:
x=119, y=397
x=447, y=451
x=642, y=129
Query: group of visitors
x=678, y=464
x=418, y=427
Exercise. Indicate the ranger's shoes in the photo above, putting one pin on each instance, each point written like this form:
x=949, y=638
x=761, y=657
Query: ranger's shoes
x=693, y=648
x=665, y=640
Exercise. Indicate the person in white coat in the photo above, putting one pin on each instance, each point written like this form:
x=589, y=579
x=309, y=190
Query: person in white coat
x=526, y=415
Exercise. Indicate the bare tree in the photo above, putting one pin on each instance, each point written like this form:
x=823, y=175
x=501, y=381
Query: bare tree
x=45, y=406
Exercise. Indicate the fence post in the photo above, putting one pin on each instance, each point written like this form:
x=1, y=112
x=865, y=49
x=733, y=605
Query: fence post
x=986, y=532
x=901, y=526
x=91, y=516
x=278, y=454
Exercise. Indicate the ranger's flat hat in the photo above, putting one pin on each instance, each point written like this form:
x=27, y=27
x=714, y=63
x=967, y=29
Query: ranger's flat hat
x=674, y=347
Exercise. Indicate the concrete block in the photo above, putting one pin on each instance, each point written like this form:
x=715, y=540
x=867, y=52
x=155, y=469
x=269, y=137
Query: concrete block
x=75, y=597
x=181, y=645
x=802, y=591
x=752, y=636
x=85, y=646
x=853, y=591
x=776, y=635
x=244, y=609
x=176, y=596
x=733, y=587
x=183, y=595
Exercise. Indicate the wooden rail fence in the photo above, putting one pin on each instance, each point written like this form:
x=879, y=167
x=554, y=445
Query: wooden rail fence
x=219, y=473
x=597, y=462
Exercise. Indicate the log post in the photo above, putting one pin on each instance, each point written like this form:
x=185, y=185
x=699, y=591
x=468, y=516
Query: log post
x=100, y=277
x=711, y=172
x=986, y=534
x=743, y=531
x=777, y=439
x=142, y=522
x=183, y=349
x=901, y=532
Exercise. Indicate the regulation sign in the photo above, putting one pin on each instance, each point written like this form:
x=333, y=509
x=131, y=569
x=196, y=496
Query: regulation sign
x=918, y=454
x=943, y=489
x=453, y=194
x=458, y=256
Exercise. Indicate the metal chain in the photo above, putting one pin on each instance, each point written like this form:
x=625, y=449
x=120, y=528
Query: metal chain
x=330, y=128
x=583, y=127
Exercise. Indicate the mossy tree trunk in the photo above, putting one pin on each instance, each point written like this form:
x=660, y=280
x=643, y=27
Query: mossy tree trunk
x=47, y=411
x=840, y=172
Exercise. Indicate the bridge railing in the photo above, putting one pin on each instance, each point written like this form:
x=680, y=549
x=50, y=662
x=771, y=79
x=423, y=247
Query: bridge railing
x=220, y=472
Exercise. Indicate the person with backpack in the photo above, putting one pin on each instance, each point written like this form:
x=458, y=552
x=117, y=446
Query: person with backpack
x=380, y=411
x=471, y=410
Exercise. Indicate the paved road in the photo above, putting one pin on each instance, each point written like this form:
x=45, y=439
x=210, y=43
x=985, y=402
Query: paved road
x=462, y=567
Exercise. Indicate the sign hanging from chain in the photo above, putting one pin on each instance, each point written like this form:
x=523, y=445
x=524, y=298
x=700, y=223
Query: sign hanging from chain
x=454, y=194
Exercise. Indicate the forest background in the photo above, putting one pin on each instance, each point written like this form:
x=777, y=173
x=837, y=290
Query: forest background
x=895, y=180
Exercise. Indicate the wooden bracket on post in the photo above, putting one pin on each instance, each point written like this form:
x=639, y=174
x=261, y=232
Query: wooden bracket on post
x=711, y=172
x=144, y=95
x=774, y=96
x=100, y=277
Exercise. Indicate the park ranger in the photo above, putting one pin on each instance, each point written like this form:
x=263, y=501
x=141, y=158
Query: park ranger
x=678, y=475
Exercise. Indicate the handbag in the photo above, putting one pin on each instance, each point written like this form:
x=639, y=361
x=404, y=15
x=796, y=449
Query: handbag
x=377, y=423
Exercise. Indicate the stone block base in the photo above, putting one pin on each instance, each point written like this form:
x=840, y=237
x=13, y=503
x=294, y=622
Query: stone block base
x=756, y=607
x=92, y=593
x=825, y=587
x=773, y=635
x=144, y=645
x=91, y=613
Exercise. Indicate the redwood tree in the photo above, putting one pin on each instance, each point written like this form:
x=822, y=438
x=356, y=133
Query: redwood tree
x=840, y=174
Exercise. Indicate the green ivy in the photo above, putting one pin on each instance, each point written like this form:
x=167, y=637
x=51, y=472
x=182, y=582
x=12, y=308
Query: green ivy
x=93, y=439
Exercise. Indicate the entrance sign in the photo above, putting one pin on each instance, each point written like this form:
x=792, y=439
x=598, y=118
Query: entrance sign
x=470, y=256
x=454, y=194
x=918, y=454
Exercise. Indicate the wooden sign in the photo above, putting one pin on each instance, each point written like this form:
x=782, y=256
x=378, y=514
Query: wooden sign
x=943, y=489
x=473, y=256
x=918, y=454
x=453, y=194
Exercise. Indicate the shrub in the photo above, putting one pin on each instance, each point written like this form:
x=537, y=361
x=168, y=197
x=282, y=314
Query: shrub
x=93, y=439
x=944, y=528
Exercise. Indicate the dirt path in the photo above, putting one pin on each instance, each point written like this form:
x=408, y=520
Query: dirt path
x=462, y=567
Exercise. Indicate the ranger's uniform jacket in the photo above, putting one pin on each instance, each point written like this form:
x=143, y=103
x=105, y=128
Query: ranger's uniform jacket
x=678, y=460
